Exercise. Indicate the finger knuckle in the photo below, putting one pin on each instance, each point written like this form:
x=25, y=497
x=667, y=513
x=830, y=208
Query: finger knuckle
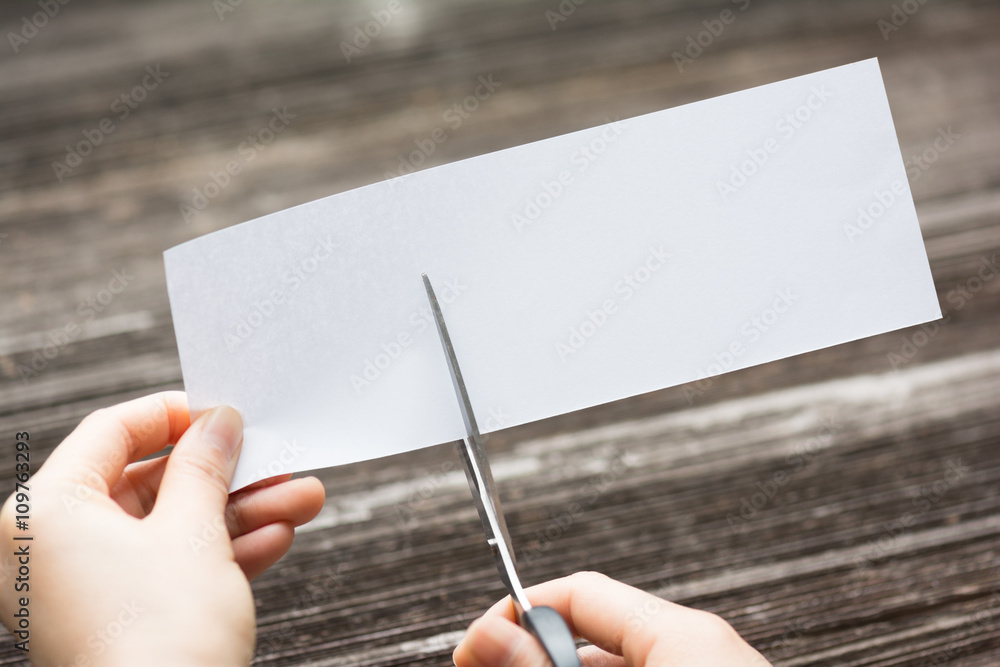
x=588, y=578
x=207, y=467
x=715, y=629
x=106, y=418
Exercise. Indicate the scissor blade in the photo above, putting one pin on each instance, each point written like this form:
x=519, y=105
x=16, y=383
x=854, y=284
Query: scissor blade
x=456, y=372
x=477, y=468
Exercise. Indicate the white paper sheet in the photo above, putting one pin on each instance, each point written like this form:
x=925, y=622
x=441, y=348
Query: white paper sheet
x=573, y=271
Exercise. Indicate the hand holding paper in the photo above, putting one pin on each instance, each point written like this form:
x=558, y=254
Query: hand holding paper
x=573, y=271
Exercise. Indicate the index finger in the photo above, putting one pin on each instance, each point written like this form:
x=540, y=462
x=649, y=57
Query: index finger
x=97, y=451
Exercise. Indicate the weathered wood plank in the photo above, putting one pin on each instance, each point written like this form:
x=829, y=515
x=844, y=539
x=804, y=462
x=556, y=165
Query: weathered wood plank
x=396, y=567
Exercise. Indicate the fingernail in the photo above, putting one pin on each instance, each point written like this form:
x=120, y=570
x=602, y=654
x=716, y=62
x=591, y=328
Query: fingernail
x=225, y=426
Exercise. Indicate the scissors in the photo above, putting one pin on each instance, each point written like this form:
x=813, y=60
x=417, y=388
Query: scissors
x=544, y=623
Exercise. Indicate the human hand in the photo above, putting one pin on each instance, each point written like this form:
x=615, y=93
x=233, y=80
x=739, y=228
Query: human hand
x=626, y=626
x=147, y=562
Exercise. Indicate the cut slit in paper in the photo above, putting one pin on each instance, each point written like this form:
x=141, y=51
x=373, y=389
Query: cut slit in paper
x=586, y=268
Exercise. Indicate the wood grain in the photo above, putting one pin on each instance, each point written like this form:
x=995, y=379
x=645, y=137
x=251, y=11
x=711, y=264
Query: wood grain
x=677, y=489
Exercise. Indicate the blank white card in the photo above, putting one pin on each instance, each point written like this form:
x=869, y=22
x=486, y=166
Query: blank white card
x=601, y=264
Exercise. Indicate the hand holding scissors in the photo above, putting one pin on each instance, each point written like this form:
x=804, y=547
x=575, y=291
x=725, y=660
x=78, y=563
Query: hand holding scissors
x=544, y=623
x=627, y=626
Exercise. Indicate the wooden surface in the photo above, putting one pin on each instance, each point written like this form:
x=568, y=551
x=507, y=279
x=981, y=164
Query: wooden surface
x=822, y=573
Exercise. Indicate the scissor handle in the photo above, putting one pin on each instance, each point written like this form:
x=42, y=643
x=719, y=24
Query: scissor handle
x=553, y=634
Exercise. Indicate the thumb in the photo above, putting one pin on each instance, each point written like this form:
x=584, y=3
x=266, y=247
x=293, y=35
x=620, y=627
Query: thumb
x=496, y=642
x=195, y=484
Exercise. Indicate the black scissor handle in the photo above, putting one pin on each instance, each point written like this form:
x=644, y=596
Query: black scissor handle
x=551, y=630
